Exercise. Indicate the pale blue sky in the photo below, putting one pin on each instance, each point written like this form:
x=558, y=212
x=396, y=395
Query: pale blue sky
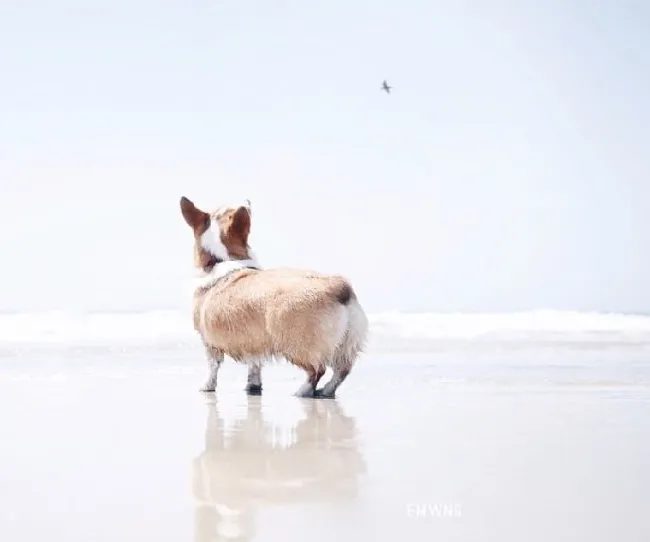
x=509, y=169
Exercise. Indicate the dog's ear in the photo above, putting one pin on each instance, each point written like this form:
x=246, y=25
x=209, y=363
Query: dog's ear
x=194, y=217
x=240, y=224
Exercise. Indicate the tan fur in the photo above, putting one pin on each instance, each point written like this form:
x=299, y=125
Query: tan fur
x=312, y=320
x=283, y=312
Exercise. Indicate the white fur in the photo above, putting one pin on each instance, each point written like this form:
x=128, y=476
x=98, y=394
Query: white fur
x=220, y=270
x=339, y=326
x=356, y=334
x=347, y=348
x=211, y=241
x=254, y=361
x=254, y=370
x=215, y=359
x=223, y=208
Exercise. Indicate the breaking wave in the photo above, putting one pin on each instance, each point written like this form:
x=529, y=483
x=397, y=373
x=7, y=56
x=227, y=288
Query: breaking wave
x=396, y=329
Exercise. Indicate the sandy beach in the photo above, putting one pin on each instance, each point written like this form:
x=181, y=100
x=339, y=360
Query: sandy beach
x=118, y=444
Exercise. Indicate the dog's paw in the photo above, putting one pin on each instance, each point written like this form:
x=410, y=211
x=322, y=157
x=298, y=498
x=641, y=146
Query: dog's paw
x=254, y=389
x=304, y=393
x=318, y=394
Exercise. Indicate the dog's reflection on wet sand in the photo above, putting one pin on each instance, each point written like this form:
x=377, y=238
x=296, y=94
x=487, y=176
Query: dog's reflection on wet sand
x=243, y=469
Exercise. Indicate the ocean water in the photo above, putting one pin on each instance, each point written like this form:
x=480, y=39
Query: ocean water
x=535, y=348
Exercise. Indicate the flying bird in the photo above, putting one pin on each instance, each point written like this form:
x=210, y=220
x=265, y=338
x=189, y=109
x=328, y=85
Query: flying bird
x=385, y=87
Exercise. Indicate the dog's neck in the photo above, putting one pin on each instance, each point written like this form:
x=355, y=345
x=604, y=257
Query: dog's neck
x=218, y=269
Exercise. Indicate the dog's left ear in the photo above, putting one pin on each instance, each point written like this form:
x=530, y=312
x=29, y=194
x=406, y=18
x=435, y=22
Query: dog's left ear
x=241, y=221
x=194, y=217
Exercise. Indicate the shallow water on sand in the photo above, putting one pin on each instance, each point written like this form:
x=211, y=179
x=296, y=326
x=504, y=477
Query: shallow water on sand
x=502, y=446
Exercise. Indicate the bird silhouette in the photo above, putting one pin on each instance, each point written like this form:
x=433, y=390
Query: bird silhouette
x=385, y=87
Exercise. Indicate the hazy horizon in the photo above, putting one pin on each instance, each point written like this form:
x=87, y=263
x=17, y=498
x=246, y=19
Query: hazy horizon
x=507, y=170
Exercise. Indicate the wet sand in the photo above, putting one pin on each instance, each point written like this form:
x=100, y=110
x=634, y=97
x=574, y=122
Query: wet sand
x=404, y=453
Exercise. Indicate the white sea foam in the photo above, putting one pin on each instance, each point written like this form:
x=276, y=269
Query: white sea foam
x=519, y=325
x=175, y=327
x=68, y=328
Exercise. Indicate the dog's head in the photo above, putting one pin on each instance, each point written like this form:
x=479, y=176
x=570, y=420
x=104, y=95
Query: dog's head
x=219, y=236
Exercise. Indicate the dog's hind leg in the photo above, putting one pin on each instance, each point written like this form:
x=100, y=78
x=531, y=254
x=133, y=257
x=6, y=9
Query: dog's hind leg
x=215, y=358
x=314, y=374
x=328, y=391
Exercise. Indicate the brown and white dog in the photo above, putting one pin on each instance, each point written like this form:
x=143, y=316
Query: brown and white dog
x=250, y=314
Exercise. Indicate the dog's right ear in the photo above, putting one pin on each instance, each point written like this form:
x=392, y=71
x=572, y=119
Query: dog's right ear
x=193, y=215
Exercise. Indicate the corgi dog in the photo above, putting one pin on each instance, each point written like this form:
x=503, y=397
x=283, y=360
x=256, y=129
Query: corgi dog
x=251, y=315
